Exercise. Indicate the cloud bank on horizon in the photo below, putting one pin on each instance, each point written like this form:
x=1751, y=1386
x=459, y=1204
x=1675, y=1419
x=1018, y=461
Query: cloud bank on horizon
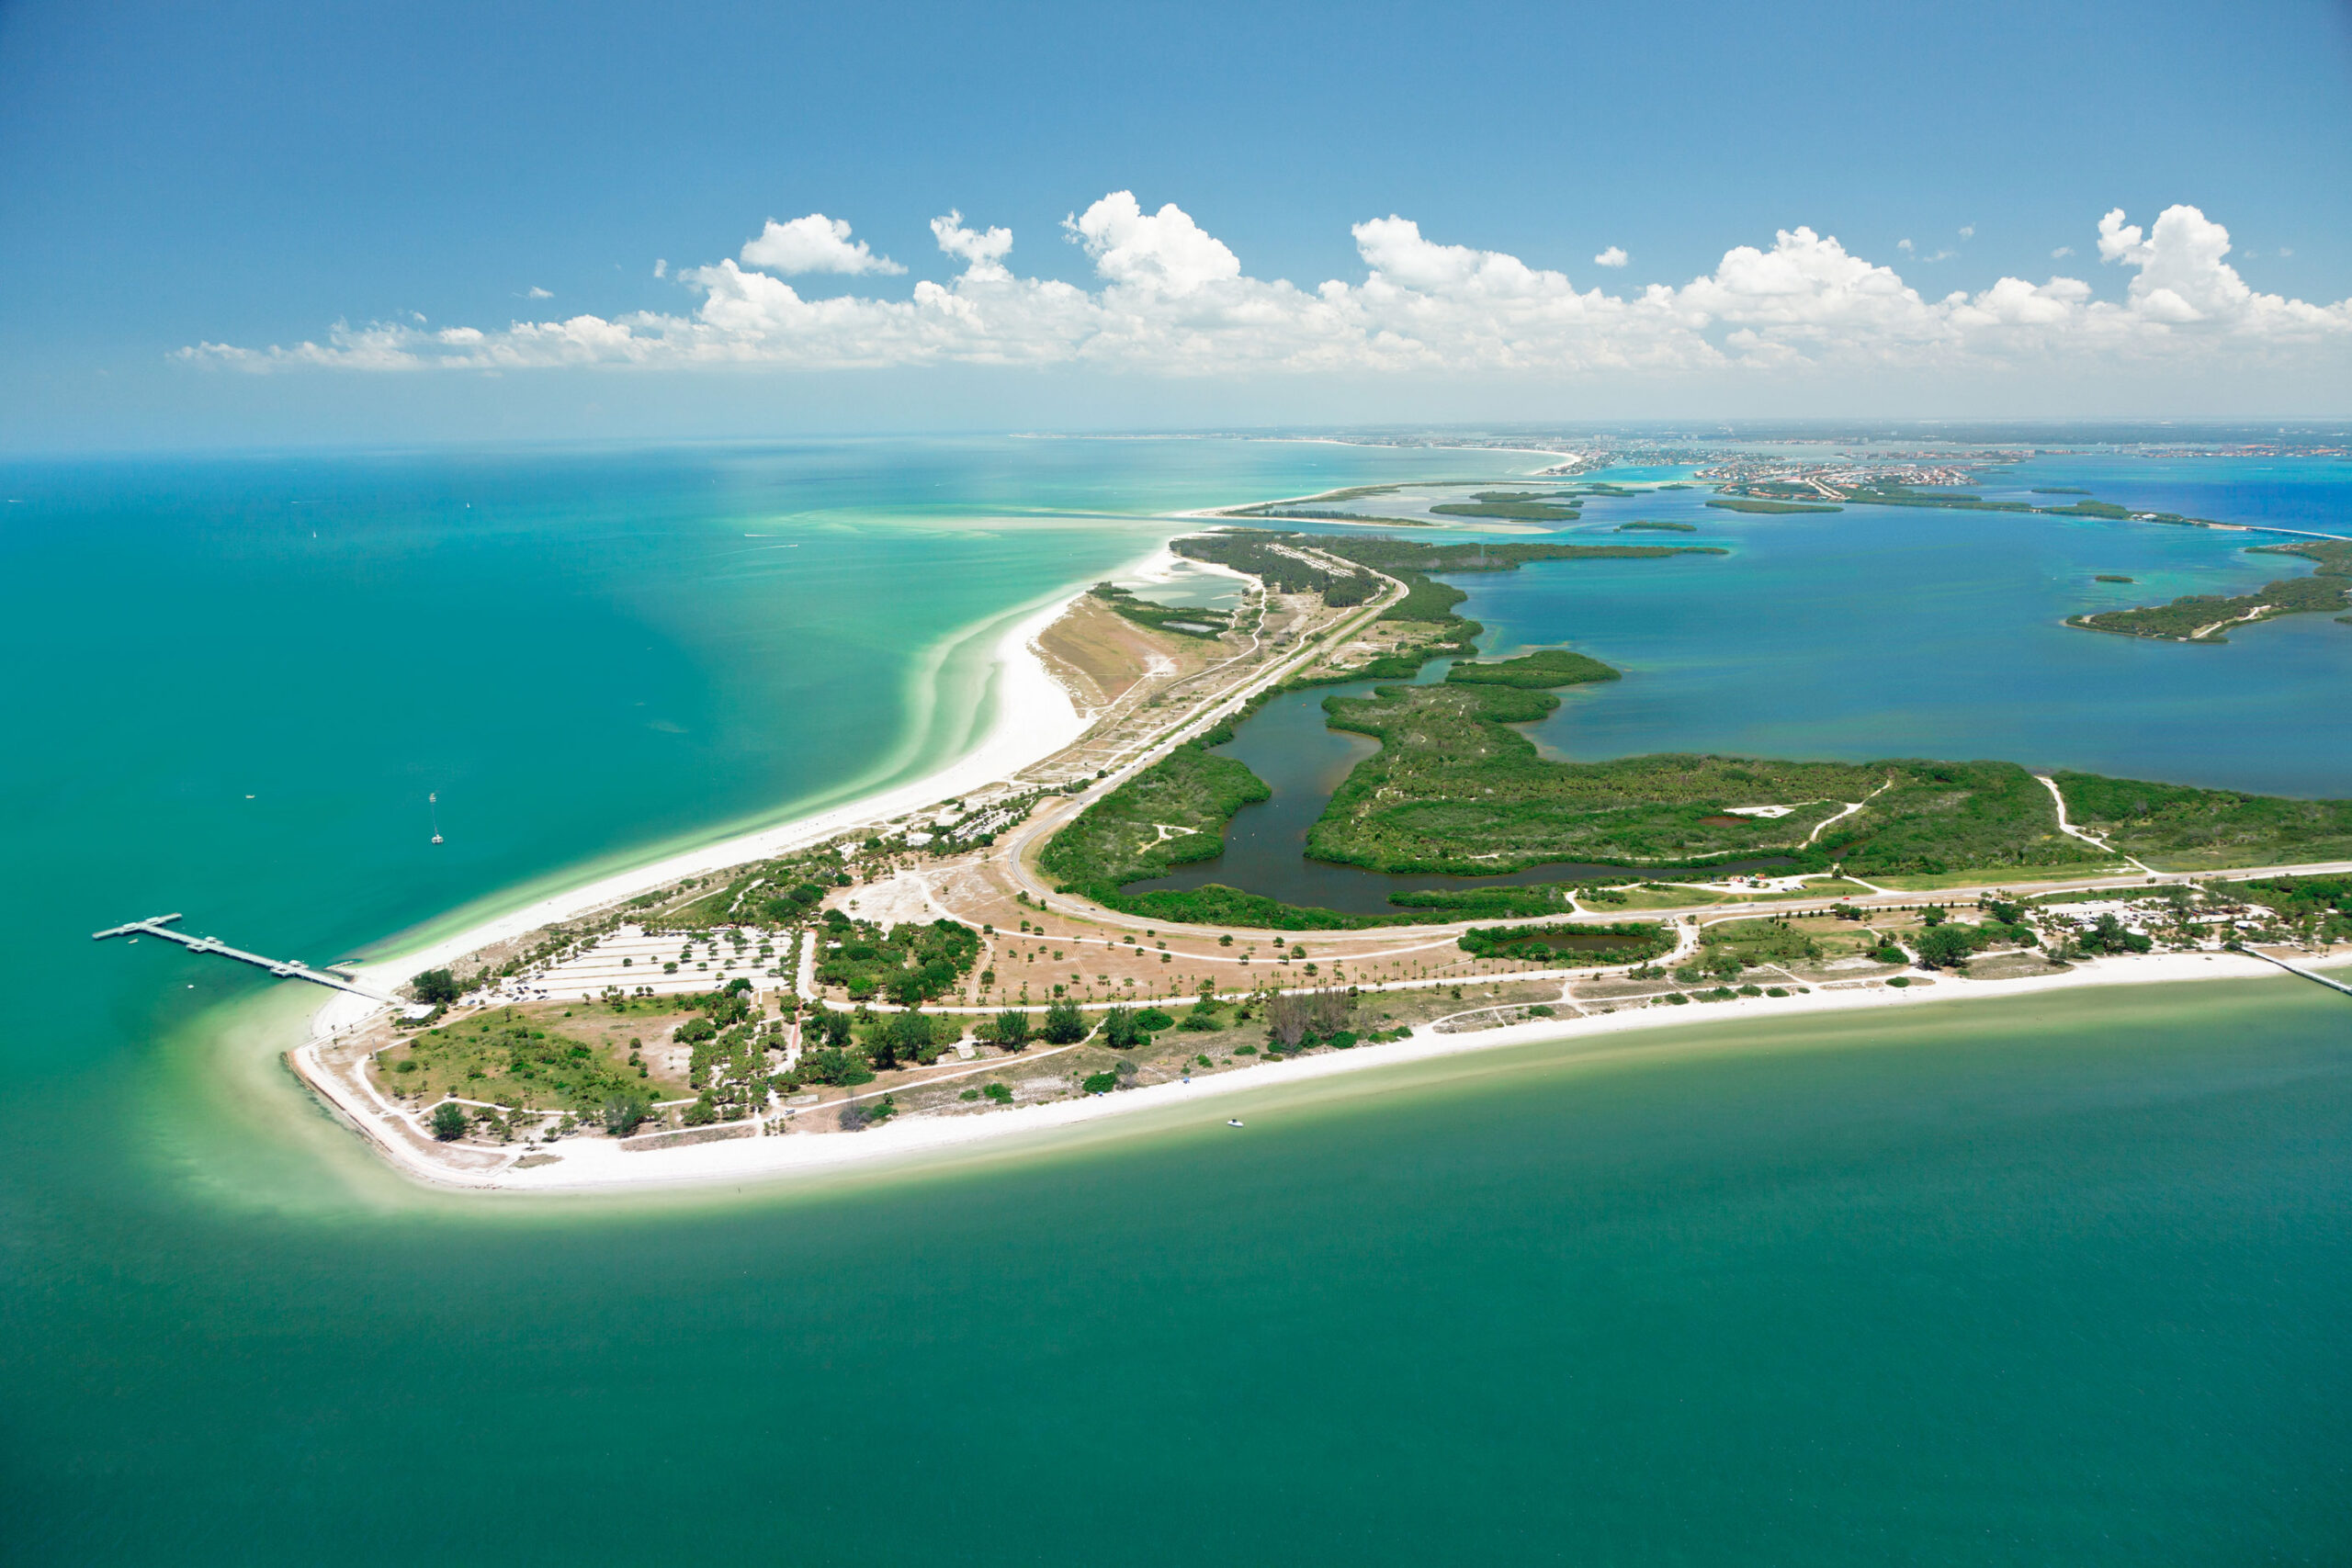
x=1174, y=300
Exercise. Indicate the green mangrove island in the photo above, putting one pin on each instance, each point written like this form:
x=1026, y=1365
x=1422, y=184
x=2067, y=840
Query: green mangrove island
x=2206, y=617
x=1456, y=789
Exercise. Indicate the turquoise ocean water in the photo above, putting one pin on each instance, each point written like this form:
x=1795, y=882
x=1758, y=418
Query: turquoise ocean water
x=2056, y=1281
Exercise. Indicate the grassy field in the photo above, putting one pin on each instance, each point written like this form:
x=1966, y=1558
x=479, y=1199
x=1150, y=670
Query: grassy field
x=543, y=1057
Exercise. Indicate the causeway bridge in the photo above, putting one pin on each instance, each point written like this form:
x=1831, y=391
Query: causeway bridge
x=285, y=968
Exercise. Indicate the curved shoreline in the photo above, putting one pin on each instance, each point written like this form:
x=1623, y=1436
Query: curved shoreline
x=603, y=1165
x=1034, y=718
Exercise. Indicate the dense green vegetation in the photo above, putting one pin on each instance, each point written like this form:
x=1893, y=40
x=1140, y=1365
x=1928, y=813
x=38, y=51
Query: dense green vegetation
x=2202, y=617
x=1950, y=944
x=2317, y=906
x=908, y=963
x=1183, y=621
x=1171, y=813
x=1505, y=902
x=2328, y=588
x=1648, y=525
x=1255, y=551
x=1426, y=601
x=1536, y=672
x=436, y=986
x=1396, y=557
x=1515, y=510
x=2113, y=577
x=1218, y=904
x=2178, y=828
x=1749, y=503
x=1554, y=946
x=2333, y=557
x=1904, y=495
x=1454, y=789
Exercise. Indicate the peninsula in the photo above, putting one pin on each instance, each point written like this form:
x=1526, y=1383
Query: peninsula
x=971, y=957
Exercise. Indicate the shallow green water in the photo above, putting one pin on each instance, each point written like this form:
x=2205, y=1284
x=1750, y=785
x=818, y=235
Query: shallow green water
x=2046, y=1281
x=2041, y=1281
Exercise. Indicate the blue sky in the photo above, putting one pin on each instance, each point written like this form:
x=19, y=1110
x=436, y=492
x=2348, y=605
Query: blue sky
x=249, y=174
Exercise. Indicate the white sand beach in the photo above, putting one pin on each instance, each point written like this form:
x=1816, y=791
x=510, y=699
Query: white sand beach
x=589, y=1165
x=1033, y=718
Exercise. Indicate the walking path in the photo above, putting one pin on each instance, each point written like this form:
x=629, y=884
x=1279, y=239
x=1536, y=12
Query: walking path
x=2073, y=832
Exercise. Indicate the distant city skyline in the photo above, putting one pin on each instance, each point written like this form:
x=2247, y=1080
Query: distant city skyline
x=273, y=227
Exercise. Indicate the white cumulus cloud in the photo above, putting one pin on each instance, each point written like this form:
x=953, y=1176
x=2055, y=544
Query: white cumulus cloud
x=814, y=244
x=1169, y=299
x=1613, y=256
x=983, y=253
x=1163, y=251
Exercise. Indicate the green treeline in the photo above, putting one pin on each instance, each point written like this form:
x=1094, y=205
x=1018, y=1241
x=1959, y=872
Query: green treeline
x=1506, y=902
x=1516, y=511
x=1254, y=550
x=1425, y=600
x=1171, y=813
x=1748, y=504
x=2329, y=588
x=1628, y=942
x=1397, y=555
x=1544, y=667
x=2185, y=829
x=908, y=963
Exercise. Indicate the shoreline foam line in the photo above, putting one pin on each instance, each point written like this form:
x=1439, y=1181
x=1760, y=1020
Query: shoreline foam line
x=1032, y=718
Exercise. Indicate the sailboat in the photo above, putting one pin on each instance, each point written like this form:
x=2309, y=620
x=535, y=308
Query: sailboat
x=433, y=800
